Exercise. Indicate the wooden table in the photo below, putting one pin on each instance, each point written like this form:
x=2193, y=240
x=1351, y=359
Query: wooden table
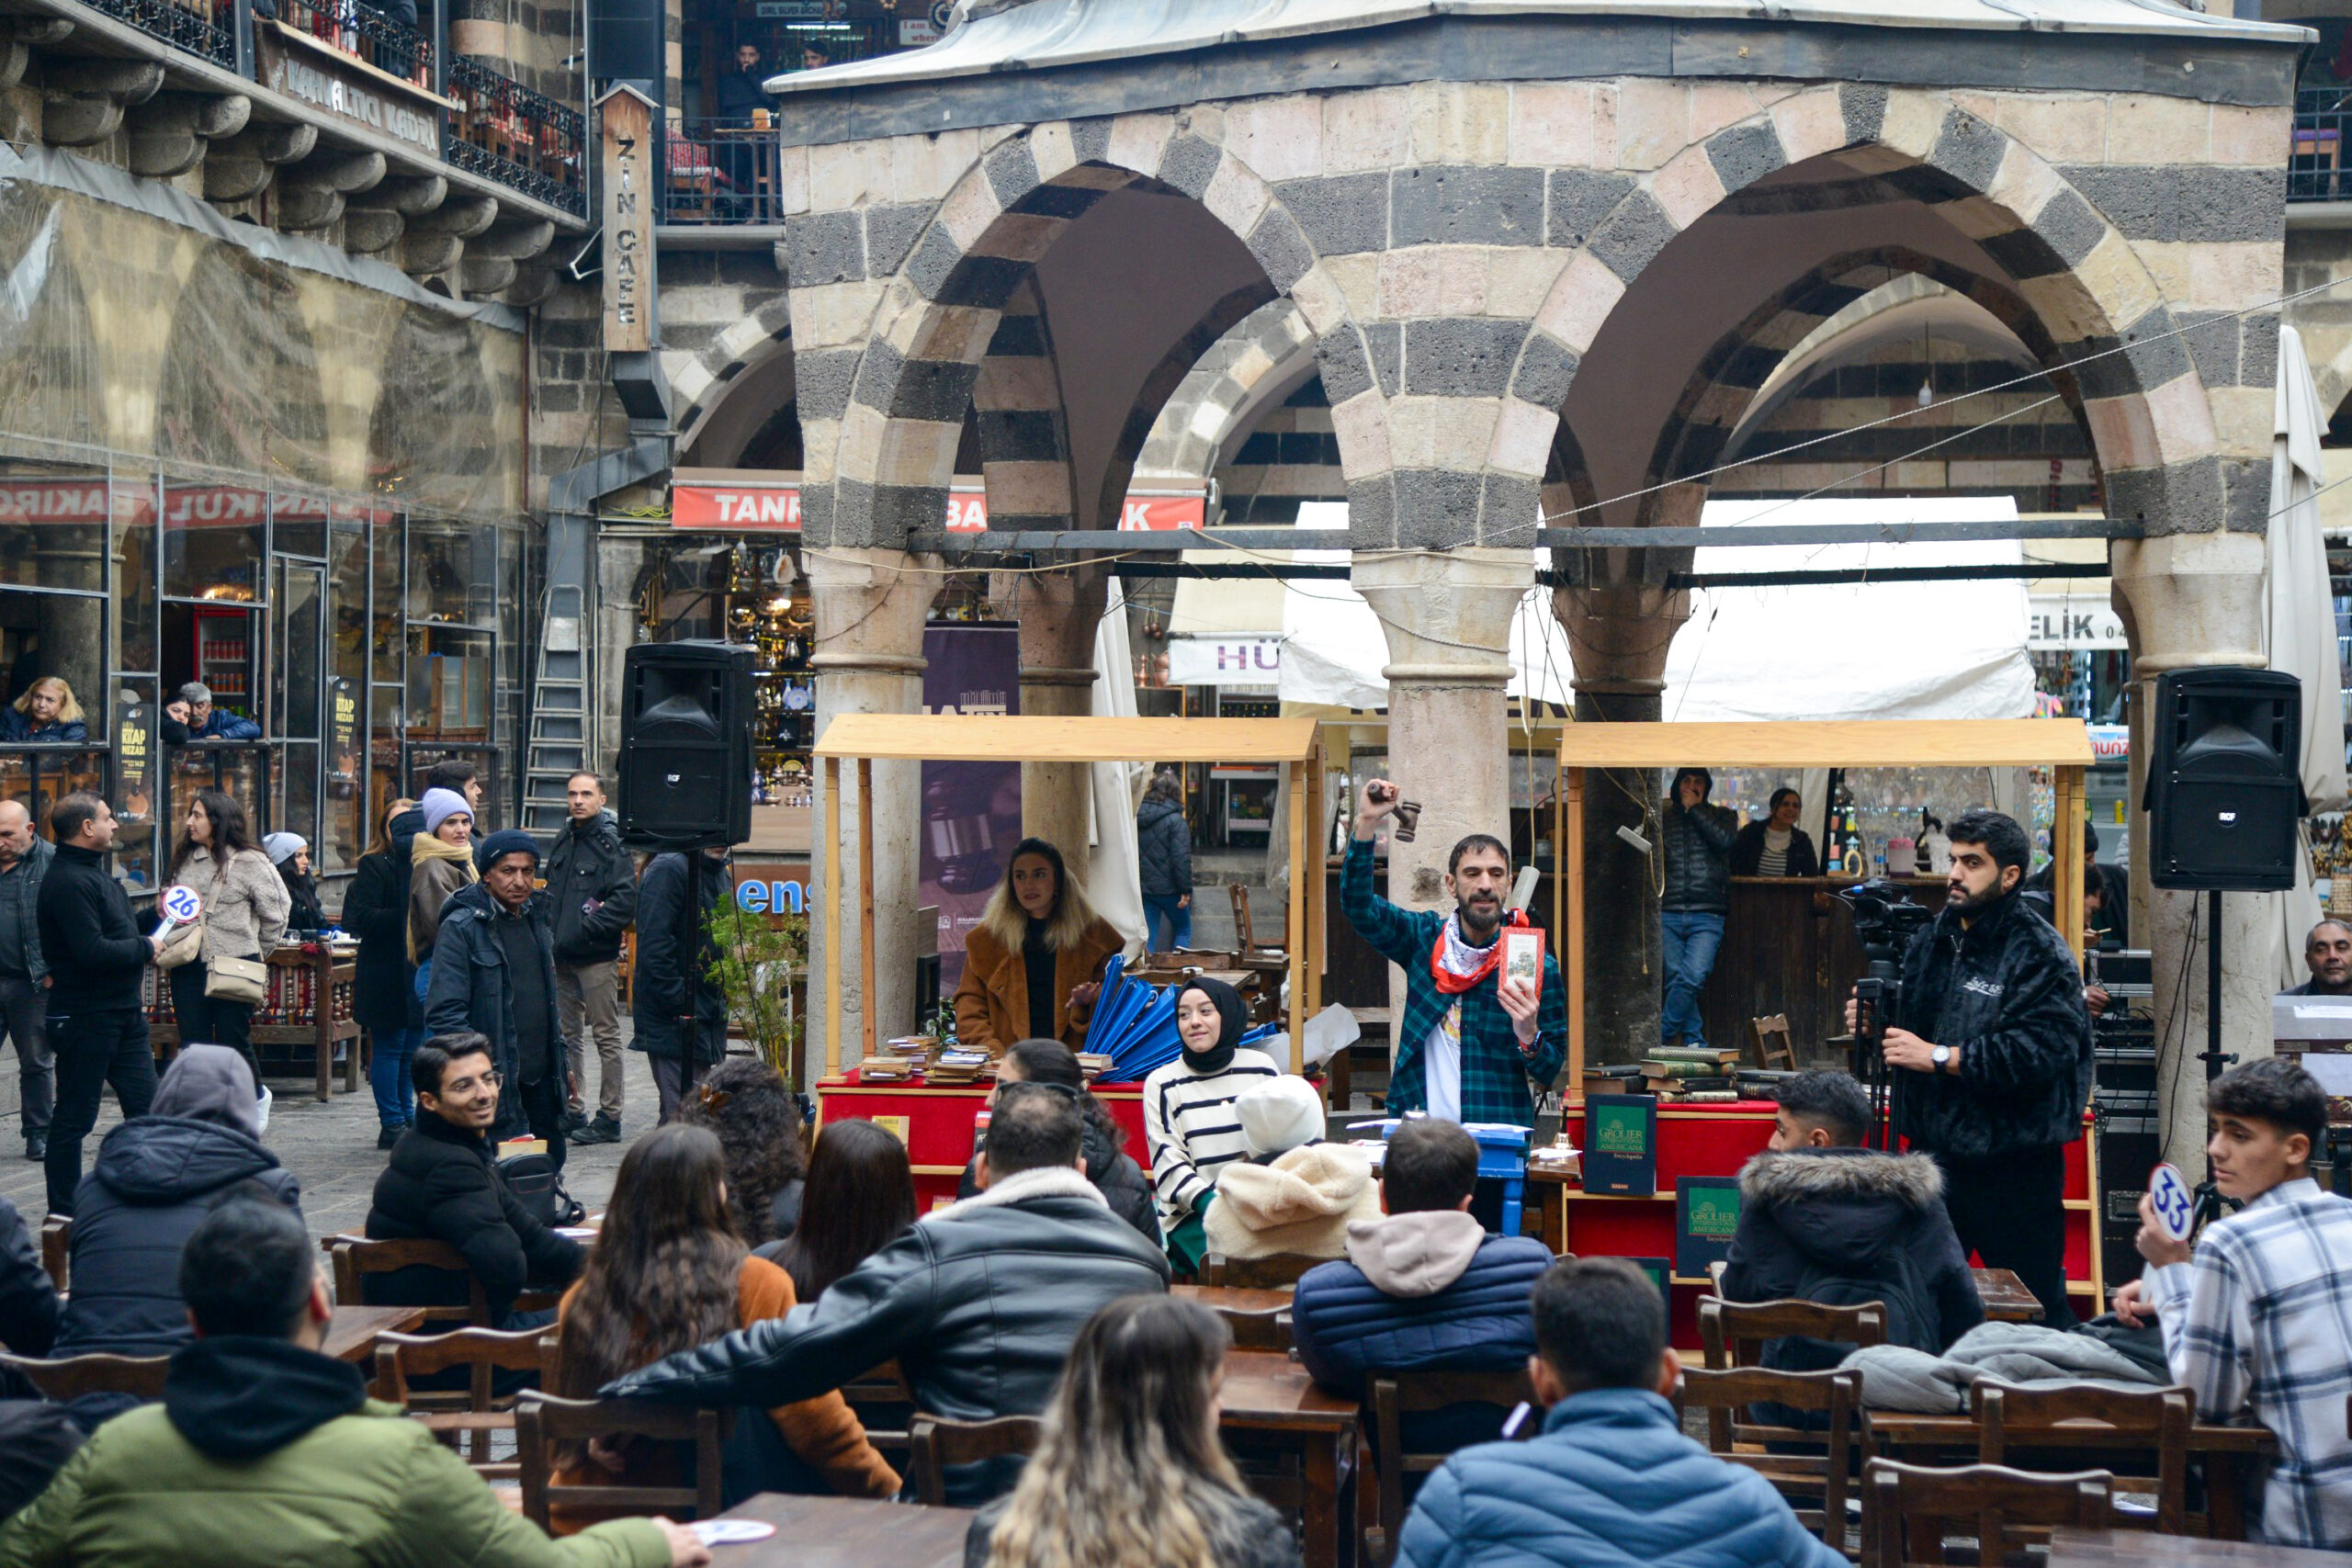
x=1260, y=1319
x=2071, y=1548
x=2227, y=1450
x=847, y=1532
x=1271, y=1404
x=353, y=1331
x=2004, y=1296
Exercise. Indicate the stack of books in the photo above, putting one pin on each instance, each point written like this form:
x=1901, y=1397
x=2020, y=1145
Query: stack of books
x=885, y=1069
x=1692, y=1074
x=954, y=1067
x=1617, y=1078
x=1093, y=1064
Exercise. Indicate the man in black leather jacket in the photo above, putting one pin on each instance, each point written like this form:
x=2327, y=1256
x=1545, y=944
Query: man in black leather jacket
x=591, y=897
x=1992, y=1053
x=978, y=1302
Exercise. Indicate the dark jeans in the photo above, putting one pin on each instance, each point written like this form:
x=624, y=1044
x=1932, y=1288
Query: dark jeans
x=672, y=1078
x=23, y=1005
x=212, y=1021
x=1180, y=921
x=394, y=1051
x=2010, y=1210
x=543, y=1105
x=93, y=1049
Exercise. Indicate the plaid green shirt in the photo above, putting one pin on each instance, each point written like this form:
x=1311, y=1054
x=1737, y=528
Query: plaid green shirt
x=1498, y=1079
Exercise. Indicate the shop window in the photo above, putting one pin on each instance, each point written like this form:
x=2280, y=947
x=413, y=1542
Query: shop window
x=53, y=526
x=40, y=777
x=46, y=637
x=242, y=773
x=342, y=805
x=138, y=747
x=212, y=542
x=386, y=546
x=219, y=647
x=452, y=572
x=298, y=526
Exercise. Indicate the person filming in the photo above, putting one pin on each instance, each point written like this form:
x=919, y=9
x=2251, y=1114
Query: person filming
x=1990, y=1045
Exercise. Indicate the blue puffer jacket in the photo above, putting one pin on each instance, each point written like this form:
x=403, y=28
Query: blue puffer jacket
x=1613, y=1483
x=1419, y=1293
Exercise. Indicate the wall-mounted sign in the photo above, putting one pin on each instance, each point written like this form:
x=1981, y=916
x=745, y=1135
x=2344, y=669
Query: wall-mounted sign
x=2061, y=621
x=327, y=79
x=916, y=32
x=626, y=117
x=793, y=10
x=750, y=500
x=1224, y=661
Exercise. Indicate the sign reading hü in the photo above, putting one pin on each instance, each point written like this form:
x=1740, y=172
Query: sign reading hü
x=626, y=116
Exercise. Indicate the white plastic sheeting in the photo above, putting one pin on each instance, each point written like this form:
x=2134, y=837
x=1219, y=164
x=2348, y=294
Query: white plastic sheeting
x=1863, y=651
x=1113, y=871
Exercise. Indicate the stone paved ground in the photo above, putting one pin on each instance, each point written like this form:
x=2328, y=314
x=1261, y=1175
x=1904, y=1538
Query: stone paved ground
x=330, y=1147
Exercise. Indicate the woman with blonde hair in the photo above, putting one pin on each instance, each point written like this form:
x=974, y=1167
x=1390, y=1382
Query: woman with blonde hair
x=1033, y=964
x=47, y=712
x=384, y=1000
x=1129, y=1472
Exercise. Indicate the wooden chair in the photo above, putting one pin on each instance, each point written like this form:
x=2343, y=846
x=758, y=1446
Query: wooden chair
x=1274, y=1271
x=2137, y=1421
x=353, y=1257
x=57, y=1249
x=71, y=1377
x=1244, y=935
x=1734, y=1332
x=542, y=1420
x=936, y=1442
x=463, y=1420
x=885, y=1405
x=1257, y=1330
x=1772, y=1039
x=1395, y=1395
x=1816, y=1477
x=1905, y=1508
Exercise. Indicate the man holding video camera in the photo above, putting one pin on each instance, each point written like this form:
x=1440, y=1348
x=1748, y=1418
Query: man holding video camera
x=1990, y=1045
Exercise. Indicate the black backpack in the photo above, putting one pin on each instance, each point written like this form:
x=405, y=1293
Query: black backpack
x=534, y=1182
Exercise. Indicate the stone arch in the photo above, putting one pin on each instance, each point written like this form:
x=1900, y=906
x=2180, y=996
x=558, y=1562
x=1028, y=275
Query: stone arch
x=2102, y=312
x=899, y=415
x=703, y=379
x=1265, y=356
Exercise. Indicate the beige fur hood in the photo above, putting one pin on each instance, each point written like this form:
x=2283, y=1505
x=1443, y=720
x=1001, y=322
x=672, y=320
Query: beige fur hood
x=1303, y=1202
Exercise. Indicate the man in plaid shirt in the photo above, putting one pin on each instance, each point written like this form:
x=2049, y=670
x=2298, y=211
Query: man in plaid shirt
x=2258, y=1320
x=1471, y=1046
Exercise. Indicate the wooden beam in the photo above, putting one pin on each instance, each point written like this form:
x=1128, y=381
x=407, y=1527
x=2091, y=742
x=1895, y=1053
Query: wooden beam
x=1572, y=955
x=1298, y=915
x=866, y=901
x=833, y=913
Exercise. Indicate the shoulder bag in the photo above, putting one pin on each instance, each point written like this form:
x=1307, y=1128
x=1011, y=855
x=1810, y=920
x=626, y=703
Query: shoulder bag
x=237, y=980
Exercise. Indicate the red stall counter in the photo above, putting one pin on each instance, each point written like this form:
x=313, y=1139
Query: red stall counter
x=937, y=1123
x=1716, y=1140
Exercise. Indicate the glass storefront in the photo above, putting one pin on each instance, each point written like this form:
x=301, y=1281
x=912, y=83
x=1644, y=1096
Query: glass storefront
x=364, y=644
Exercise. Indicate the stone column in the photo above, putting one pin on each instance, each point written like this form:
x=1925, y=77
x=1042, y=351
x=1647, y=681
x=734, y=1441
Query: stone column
x=1447, y=617
x=2188, y=599
x=1619, y=619
x=1058, y=612
x=870, y=609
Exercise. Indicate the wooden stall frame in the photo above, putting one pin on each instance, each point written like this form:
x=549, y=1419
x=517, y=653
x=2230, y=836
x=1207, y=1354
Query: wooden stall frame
x=867, y=738
x=2061, y=744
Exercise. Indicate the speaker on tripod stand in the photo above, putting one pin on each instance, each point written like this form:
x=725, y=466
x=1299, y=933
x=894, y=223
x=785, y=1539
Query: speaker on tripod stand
x=2224, y=796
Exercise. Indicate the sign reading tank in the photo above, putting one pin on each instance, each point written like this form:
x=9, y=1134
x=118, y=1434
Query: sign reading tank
x=354, y=102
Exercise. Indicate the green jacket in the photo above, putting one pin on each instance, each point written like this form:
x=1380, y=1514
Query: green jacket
x=368, y=1488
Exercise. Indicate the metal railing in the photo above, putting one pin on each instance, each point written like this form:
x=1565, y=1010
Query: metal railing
x=361, y=32
x=2315, y=168
x=197, y=25
x=523, y=140
x=719, y=169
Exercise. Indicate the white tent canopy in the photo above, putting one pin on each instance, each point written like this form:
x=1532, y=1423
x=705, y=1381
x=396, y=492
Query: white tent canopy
x=1811, y=652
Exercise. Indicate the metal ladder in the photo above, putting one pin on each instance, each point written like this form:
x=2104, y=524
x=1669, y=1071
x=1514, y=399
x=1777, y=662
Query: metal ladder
x=559, y=719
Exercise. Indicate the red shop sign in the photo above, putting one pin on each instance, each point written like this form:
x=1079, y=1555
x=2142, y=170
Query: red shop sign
x=773, y=506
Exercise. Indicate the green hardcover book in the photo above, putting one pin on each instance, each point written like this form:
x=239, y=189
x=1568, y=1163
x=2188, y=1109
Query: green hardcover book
x=1660, y=1067
x=1621, y=1138
x=1706, y=1212
x=1661, y=1274
x=1720, y=1056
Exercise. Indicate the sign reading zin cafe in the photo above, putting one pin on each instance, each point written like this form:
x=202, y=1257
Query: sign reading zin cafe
x=626, y=118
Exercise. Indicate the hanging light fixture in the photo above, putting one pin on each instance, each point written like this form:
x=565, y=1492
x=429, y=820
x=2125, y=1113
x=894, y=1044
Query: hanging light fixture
x=1928, y=382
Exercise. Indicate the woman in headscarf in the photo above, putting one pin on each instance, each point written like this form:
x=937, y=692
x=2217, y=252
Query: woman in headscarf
x=1188, y=1116
x=1033, y=964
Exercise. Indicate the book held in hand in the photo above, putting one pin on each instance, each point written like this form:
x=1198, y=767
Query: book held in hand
x=1522, y=955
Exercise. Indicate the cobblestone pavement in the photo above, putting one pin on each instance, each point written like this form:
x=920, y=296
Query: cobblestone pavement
x=331, y=1146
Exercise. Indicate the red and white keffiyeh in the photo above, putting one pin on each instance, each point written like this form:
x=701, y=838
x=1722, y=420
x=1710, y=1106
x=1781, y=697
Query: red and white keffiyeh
x=1456, y=965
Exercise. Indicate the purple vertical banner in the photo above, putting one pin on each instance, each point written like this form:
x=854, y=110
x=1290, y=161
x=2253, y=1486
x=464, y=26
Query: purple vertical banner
x=971, y=811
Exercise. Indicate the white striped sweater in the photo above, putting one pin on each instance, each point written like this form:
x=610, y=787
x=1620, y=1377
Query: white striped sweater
x=1189, y=1124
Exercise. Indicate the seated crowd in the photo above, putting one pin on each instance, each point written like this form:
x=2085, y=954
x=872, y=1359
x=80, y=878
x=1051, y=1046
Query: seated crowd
x=736, y=1270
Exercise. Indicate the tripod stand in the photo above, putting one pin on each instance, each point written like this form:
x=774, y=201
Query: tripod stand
x=2208, y=1197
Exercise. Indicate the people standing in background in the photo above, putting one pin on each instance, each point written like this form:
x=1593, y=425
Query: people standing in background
x=493, y=973
x=24, y=857
x=47, y=712
x=591, y=897
x=1773, y=845
x=190, y=715
x=2327, y=953
x=678, y=1007
x=441, y=863
x=96, y=1022
x=1697, y=839
x=245, y=915
x=384, y=999
x=461, y=778
x=291, y=853
x=1033, y=964
x=1164, y=858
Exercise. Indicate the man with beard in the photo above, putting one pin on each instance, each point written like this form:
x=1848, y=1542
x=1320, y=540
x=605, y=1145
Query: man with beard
x=1473, y=1046
x=1991, y=1052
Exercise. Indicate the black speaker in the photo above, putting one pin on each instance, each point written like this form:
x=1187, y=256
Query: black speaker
x=686, y=762
x=2224, y=780
x=626, y=38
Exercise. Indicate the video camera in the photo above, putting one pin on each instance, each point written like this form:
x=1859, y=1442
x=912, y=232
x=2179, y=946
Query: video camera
x=1885, y=920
